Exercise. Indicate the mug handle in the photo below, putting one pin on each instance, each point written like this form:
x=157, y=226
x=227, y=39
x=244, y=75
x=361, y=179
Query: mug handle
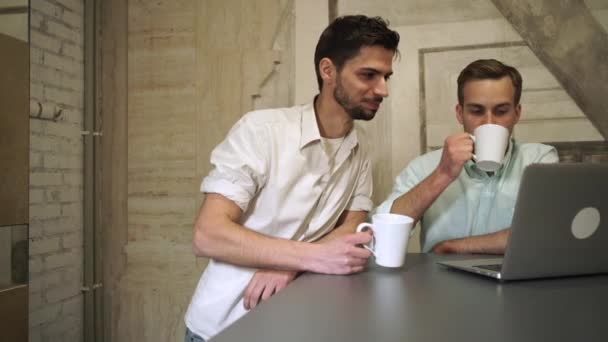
x=360, y=228
x=473, y=138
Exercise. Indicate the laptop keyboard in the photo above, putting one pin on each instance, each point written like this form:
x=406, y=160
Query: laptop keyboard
x=494, y=267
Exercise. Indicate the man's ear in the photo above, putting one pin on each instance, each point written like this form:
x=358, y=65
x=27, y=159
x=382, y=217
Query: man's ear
x=459, y=115
x=327, y=70
x=517, y=113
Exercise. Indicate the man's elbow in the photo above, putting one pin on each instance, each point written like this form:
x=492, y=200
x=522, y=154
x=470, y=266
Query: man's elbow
x=201, y=242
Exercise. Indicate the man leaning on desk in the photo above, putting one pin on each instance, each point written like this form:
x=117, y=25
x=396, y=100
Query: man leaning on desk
x=285, y=178
x=461, y=208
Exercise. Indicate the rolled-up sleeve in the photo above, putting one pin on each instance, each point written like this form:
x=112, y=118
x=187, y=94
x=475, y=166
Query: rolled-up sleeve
x=405, y=181
x=240, y=164
x=361, y=200
x=548, y=155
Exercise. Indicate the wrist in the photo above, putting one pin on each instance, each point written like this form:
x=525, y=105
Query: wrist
x=308, y=260
x=442, y=178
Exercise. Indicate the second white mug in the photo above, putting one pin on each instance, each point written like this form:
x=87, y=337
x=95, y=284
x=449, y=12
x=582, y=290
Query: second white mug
x=491, y=143
x=391, y=235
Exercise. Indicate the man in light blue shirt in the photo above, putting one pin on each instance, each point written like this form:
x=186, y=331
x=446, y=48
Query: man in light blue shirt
x=461, y=208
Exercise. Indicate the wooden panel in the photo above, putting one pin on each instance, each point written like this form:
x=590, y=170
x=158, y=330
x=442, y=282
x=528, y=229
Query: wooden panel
x=114, y=20
x=13, y=314
x=14, y=131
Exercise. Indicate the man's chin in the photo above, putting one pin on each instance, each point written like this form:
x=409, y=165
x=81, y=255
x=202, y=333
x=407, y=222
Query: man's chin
x=365, y=115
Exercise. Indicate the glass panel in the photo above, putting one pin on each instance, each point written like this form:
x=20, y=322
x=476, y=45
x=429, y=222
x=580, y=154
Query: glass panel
x=13, y=256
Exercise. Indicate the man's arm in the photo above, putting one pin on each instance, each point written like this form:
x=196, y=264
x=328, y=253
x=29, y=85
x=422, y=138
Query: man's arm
x=457, y=150
x=493, y=243
x=265, y=283
x=218, y=236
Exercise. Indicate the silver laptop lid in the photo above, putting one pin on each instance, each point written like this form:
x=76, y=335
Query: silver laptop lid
x=560, y=223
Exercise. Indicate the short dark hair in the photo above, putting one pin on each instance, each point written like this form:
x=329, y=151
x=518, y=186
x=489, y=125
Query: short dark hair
x=345, y=36
x=489, y=69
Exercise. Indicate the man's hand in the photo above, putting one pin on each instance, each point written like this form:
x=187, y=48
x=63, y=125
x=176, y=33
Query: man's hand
x=264, y=284
x=444, y=247
x=457, y=150
x=342, y=255
x=493, y=243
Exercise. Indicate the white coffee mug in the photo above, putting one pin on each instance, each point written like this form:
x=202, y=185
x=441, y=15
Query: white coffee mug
x=491, y=143
x=391, y=235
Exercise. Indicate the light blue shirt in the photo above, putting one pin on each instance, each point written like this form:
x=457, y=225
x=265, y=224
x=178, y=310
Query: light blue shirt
x=475, y=203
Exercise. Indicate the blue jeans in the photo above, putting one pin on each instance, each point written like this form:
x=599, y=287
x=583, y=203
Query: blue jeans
x=192, y=337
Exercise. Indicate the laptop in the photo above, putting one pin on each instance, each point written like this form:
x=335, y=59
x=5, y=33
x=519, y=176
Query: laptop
x=559, y=227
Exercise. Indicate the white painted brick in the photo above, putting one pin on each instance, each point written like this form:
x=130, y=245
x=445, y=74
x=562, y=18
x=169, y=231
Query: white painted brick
x=35, y=161
x=67, y=65
x=55, y=161
x=60, y=30
x=36, y=127
x=72, y=240
x=35, y=263
x=36, y=19
x=63, y=129
x=44, y=211
x=71, y=210
x=54, y=77
x=68, y=258
x=61, y=329
x=36, y=196
x=64, y=194
x=36, y=91
x=35, y=300
x=44, y=315
x=42, y=143
x=56, y=144
x=60, y=293
x=74, y=116
x=72, y=51
x=73, y=274
x=44, y=281
x=57, y=78
x=45, y=178
x=35, y=334
x=73, y=306
x=62, y=225
x=74, y=20
x=36, y=55
x=73, y=5
x=45, y=42
x=63, y=97
x=46, y=8
x=72, y=179
x=74, y=334
x=44, y=245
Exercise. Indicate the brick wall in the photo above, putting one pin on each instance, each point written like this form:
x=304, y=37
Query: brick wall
x=56, y=157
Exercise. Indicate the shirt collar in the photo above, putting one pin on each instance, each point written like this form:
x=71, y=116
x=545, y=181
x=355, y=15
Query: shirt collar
x=474, y=172
x=310, y=129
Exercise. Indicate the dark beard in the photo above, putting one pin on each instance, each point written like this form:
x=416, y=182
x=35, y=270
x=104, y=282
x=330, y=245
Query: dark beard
x=354, y=111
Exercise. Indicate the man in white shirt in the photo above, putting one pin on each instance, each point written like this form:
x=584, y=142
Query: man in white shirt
x=290, y=185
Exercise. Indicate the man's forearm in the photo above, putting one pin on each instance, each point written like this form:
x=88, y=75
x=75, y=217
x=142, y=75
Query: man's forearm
x=232, y=243
x=347, y=224
x=415, y=202
x=493, y=243
x=218, y=236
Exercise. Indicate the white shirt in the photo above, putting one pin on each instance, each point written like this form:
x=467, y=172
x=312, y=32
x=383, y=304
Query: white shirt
x=273, y=166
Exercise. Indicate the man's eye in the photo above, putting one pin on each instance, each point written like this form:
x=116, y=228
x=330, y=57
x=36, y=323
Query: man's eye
x=368, y=75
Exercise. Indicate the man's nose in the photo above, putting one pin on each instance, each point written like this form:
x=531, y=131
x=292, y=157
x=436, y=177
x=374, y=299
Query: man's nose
x=381, y=88
x=489, y=118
